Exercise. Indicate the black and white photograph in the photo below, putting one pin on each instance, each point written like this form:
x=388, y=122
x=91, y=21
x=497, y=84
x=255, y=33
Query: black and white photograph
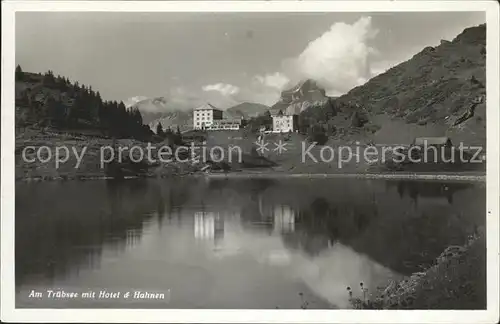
x=289, y=161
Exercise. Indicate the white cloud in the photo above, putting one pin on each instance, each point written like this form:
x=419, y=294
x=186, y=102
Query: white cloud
x=224, y=88
x=185, y=99
x=262, y=95
x=276, y=80
x=132, y=101
x=338, y=59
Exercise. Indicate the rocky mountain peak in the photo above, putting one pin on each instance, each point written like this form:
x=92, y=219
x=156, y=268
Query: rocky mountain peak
x=303, y=95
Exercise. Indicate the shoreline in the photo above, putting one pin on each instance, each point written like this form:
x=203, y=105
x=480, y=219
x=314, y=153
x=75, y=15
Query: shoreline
x=252, y=175
x=410, y=176
x=89, y=167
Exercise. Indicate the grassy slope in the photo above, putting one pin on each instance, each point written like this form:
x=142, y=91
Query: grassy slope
x=91, y=162
x=292, y=160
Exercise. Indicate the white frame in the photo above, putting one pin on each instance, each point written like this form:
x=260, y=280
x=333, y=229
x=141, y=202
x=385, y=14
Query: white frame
x=10, y=313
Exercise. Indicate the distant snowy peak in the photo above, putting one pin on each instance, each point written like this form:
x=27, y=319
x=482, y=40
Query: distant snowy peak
x=172, y=120
x=132, y=101
x=158, y=104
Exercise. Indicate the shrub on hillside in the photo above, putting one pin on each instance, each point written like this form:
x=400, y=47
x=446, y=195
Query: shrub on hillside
x=358, y=119
x=256, y=123
x=372, y=128
x=318, y=134
x=19, y=74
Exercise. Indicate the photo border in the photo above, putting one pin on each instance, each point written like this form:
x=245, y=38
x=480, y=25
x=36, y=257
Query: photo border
x=10, y=314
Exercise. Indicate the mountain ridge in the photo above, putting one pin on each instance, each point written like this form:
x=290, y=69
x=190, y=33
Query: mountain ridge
x=440, y=91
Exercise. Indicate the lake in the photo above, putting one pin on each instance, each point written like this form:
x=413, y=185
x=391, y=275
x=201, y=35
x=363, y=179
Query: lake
x=237, y=243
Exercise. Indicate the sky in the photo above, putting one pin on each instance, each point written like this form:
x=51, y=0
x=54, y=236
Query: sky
x=225, y=58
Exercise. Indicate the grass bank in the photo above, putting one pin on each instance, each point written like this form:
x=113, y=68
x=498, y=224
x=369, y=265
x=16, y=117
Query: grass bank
x=457, y=280
x=84, y=162
x=35, y=158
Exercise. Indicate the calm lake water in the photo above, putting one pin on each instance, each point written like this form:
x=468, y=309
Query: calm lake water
x=233, y=243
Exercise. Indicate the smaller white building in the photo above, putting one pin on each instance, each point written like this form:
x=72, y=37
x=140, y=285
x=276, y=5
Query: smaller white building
x=284, y=123
x=284, y=219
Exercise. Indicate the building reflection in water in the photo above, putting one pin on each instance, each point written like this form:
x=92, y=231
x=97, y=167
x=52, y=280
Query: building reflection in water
x=209, y=226
x=133, y=237
x=284, y=219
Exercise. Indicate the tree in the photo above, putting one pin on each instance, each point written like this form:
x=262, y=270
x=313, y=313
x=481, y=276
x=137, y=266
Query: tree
x=48, y=79
x=159, y=130
x=331, y=127
x=317, y=134
x=178, y=136
x=358, y=119
x=57, y=113
x=264, y=120
x=137, y=117
x=19, y=73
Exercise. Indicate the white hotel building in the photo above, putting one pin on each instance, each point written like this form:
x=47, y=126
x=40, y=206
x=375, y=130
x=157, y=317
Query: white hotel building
x=207, y=117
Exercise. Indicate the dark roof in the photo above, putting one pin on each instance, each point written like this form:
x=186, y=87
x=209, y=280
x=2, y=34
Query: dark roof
x=207, y=106
x=275, y=111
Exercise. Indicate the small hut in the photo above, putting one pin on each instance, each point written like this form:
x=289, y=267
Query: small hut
x=432, y=141
x=433, y=149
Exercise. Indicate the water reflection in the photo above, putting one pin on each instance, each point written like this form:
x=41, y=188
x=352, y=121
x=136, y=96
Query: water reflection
x=284, y=219
x=208, y=226
x=418, y=190
x=242, y=243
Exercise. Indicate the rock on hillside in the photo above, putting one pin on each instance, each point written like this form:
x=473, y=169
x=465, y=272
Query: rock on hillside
x=438, y=92
x=299, y=98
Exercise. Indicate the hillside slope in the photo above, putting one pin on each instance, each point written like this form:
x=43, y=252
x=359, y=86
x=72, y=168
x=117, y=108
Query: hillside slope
x=247, y=110
x=438, y=92
x=172, y=120
x=49, y=101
